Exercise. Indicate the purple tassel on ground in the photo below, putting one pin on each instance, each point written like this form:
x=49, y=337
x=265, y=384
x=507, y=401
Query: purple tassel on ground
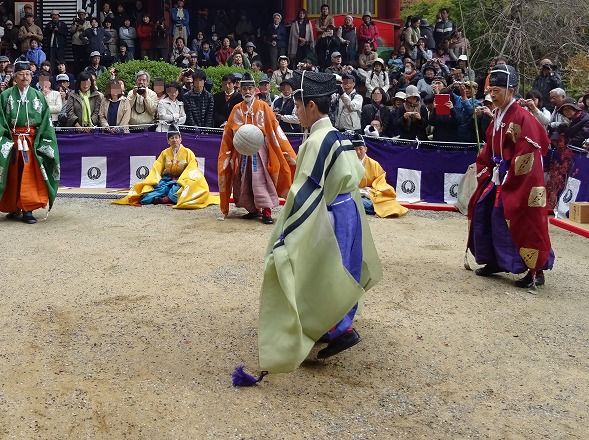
x=242, y=379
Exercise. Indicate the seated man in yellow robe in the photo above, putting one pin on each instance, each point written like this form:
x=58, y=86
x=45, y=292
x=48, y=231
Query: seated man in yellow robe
x=175, y=178
x=378, y=196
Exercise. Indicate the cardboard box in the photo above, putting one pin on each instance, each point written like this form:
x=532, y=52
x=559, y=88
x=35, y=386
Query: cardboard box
x=579, y=212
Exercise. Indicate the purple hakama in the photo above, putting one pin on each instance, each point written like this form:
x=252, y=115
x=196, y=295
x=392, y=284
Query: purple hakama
x=347, y=227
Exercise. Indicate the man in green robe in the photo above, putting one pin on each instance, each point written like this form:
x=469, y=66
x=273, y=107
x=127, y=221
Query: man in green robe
x=321, y=257
x=29, y=159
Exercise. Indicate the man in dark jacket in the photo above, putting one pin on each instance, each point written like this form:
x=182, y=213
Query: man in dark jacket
x=225, y=100
x=277, y=39
x=198, y=103
x=444, y=28
x=96, y=37
x=327, y=44
x=427, y=33
x=206, y=56
x=54, y=34
x=547, y=80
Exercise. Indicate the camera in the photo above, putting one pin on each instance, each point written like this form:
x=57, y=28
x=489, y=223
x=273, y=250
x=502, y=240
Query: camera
x=371, y=129
x=141, y=90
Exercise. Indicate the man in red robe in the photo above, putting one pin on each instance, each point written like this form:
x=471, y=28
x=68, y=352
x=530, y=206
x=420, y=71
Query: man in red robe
x=507, y=213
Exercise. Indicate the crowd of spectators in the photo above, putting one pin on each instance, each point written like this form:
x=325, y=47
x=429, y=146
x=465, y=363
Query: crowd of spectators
x=396, y=97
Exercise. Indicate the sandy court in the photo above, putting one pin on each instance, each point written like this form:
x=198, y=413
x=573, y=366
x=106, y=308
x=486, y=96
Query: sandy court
x=125, y=323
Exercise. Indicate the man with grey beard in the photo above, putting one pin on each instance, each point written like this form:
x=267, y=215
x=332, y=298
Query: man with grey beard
x=258, y=180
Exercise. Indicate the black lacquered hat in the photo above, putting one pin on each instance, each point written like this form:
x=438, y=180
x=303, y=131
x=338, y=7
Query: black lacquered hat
x=504, y=75
x=309, y=84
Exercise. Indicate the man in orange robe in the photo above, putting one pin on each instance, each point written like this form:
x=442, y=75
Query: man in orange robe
x=256, y=181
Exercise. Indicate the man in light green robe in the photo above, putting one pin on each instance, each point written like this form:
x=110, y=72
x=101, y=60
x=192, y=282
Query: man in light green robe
x=307, y=289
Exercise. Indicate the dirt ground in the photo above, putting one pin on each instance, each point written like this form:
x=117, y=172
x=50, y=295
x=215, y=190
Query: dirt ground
x=125, y=323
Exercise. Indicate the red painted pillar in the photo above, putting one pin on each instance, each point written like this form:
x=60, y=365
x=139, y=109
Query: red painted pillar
x=291, y=8
x=395, y=10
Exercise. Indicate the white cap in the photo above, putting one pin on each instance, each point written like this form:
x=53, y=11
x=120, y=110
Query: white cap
x=62, y=77
x=462, y=58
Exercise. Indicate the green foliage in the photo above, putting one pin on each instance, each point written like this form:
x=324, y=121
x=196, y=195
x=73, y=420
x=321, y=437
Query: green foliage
x=428, y=9
x=168, y=72
x=126, y=71
x=469, y=15
x=577, y=77
x=215, y=74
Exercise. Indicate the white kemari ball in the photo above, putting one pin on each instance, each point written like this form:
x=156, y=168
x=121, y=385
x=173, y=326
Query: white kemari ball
x=248, y=139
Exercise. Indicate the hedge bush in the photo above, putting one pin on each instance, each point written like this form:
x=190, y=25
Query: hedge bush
x=215, y=74
x=126, y=71
x=166, y=71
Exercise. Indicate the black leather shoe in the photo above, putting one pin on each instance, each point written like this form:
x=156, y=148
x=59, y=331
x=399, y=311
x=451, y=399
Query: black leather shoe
x=28, y=218
x=267, y=220
x=526, y=282
x=340, y=344
x=487, y=270
x=251, y=215
x=17, y=215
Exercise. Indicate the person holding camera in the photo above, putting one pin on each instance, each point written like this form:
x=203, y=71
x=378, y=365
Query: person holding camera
x=186, y=81
x=27, y=32
x=62, y=81
x=349, y=105
x=533, y=102
x=410, y=120
x=55, y=33
x=180, y=54
x=143, y=100
x=326, y=46
x=160, y=35
x=547, y=80
x=79, y=41
x=377, y=110
x=443, y=117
